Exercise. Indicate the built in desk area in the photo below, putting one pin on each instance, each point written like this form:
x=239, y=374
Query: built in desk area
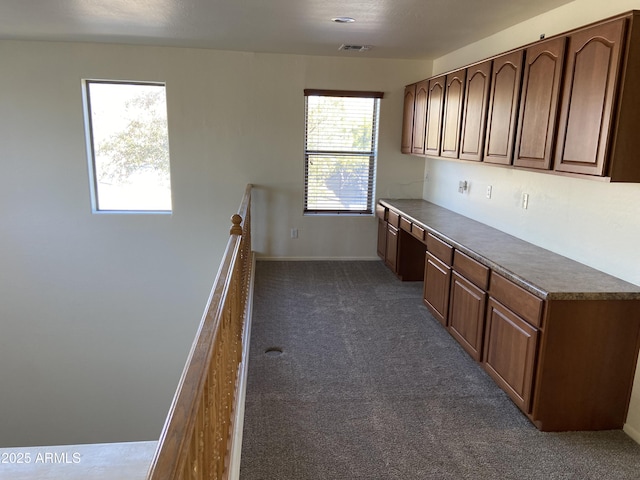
x=559, y=337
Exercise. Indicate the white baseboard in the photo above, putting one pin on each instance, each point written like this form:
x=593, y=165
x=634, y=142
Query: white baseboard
x=632, y=432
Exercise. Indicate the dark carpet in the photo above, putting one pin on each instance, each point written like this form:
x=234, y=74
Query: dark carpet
x=370, y=386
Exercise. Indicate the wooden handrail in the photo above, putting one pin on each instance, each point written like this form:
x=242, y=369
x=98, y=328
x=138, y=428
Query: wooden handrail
x=196, y=437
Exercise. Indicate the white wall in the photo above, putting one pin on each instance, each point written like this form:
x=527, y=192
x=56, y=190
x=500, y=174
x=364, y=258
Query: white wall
x=280, y=179
x=97, y=312
x=593, y=222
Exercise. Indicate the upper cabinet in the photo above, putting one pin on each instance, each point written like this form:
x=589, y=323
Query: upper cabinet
x=452, y=115
x=568, y=105
x=407, y=119
x=590, y=89
x=435, y=104
x=503, y=108
x=419, y=118
x=474, y=112
x=539, y=104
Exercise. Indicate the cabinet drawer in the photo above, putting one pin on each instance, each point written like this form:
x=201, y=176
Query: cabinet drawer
x=439, y=249
x=523, y=303
x=393, y=218
x=381, y=212
x=472, y=270
x=405, y=224
x=417, y=232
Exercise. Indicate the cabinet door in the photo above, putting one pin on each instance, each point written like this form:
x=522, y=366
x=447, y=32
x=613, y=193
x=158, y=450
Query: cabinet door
x=474, y=112
x=407, y=119
x=382, y=238
x=452, y=116
x=593, y=60
x=437, y=278
x=510, y=353
x=391, y=248
x=435, y=103
x=466, y=315
x=420, y=117
x=503, y=108
x=539, y=104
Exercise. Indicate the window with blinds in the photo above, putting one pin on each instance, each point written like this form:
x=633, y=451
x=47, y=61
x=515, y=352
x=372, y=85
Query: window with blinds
x=341, y=142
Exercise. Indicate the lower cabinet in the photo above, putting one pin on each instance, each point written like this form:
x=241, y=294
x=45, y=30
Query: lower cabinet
x=514, y=317
x=566, y=361
x=468, y=301
x=466, y=315
x=381, y=214
x=400, y=245
x=388, y=223
x=382, y=238
x=437, y=277
x=510, y=353
x=391, y=248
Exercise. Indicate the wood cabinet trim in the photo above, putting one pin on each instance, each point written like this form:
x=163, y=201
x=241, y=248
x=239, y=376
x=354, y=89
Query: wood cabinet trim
x=440, y=249
x=391, y=248
x=584, y=125
x=504, y=98
x=435, y=105
x=471, y=269
x=420, y=117
x=510, y=356
x=418, y=232
x=437, y=282
x=474, y=114
x=405, y=224
x=406, y=145
x=455, y=85
x=539, y=102
x=514, y=138
x=393, y=218
x=567, y=363
x=627, y=116
x=630, y=14
x=523, y=303
x=382, y=239
x=467, y=314
x=574, y=358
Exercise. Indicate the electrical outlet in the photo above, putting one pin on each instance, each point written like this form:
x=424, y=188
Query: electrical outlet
x=463, y=186
x=294, y=233
x=525, y=200
x=489, y=189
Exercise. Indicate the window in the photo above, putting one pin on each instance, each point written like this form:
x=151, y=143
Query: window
x=341, y=141
x=128, y=145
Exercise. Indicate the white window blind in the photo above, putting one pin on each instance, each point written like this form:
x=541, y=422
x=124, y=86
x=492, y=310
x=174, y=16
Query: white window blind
x=341, y=138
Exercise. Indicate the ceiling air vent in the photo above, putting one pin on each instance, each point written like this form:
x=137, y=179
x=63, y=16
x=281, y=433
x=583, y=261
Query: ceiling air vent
x=357, y=48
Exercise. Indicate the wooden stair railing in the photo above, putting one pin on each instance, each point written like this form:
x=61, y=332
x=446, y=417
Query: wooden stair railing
x=197, y=436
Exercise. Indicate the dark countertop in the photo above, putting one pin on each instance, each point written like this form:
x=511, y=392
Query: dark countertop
x=539, y=271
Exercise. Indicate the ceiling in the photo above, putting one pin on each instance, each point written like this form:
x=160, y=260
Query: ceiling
x=412, y=29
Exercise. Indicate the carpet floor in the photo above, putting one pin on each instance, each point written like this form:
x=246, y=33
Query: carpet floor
x=351, y=378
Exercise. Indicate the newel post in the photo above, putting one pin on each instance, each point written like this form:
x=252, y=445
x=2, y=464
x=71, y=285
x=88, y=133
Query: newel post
x=236, y=229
